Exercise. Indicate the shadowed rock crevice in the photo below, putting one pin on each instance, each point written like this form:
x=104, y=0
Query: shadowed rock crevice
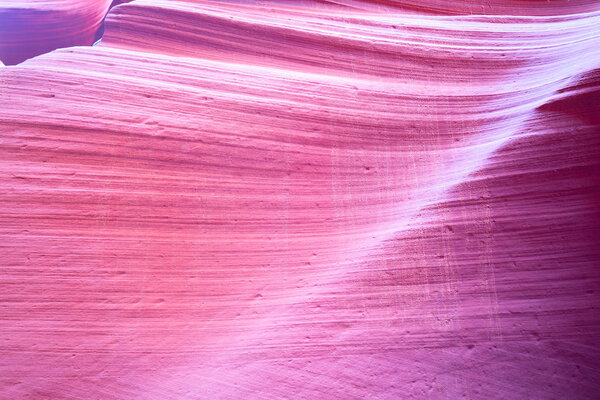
x=581, y=99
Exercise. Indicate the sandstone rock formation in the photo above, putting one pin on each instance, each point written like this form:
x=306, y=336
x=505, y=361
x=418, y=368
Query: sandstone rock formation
x=305, y=199
x=32, y=27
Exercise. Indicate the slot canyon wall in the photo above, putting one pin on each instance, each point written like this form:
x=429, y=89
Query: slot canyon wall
x=299, y=199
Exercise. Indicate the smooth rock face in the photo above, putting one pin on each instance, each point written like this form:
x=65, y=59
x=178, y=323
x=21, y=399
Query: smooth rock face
x=303, y=200
x=32, y=27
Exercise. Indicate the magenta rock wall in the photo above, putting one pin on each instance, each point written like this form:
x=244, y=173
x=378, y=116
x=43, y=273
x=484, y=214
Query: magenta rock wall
x=300, y=200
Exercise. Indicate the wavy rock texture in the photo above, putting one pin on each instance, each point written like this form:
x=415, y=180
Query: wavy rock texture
x=33, y=27
x=334, y=199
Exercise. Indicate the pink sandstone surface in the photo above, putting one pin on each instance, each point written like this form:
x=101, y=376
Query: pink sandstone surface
x=300, y=200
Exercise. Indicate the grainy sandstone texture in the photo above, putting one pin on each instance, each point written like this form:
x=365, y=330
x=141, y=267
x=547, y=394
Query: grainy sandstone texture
x=300, y=200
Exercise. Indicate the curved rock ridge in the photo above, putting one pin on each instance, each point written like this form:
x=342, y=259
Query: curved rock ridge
x=469, y=7
x=328, y=199
x=30, y=28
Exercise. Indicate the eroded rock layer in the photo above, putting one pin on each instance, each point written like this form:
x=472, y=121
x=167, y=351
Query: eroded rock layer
x=29, y=28
x=328, y=199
